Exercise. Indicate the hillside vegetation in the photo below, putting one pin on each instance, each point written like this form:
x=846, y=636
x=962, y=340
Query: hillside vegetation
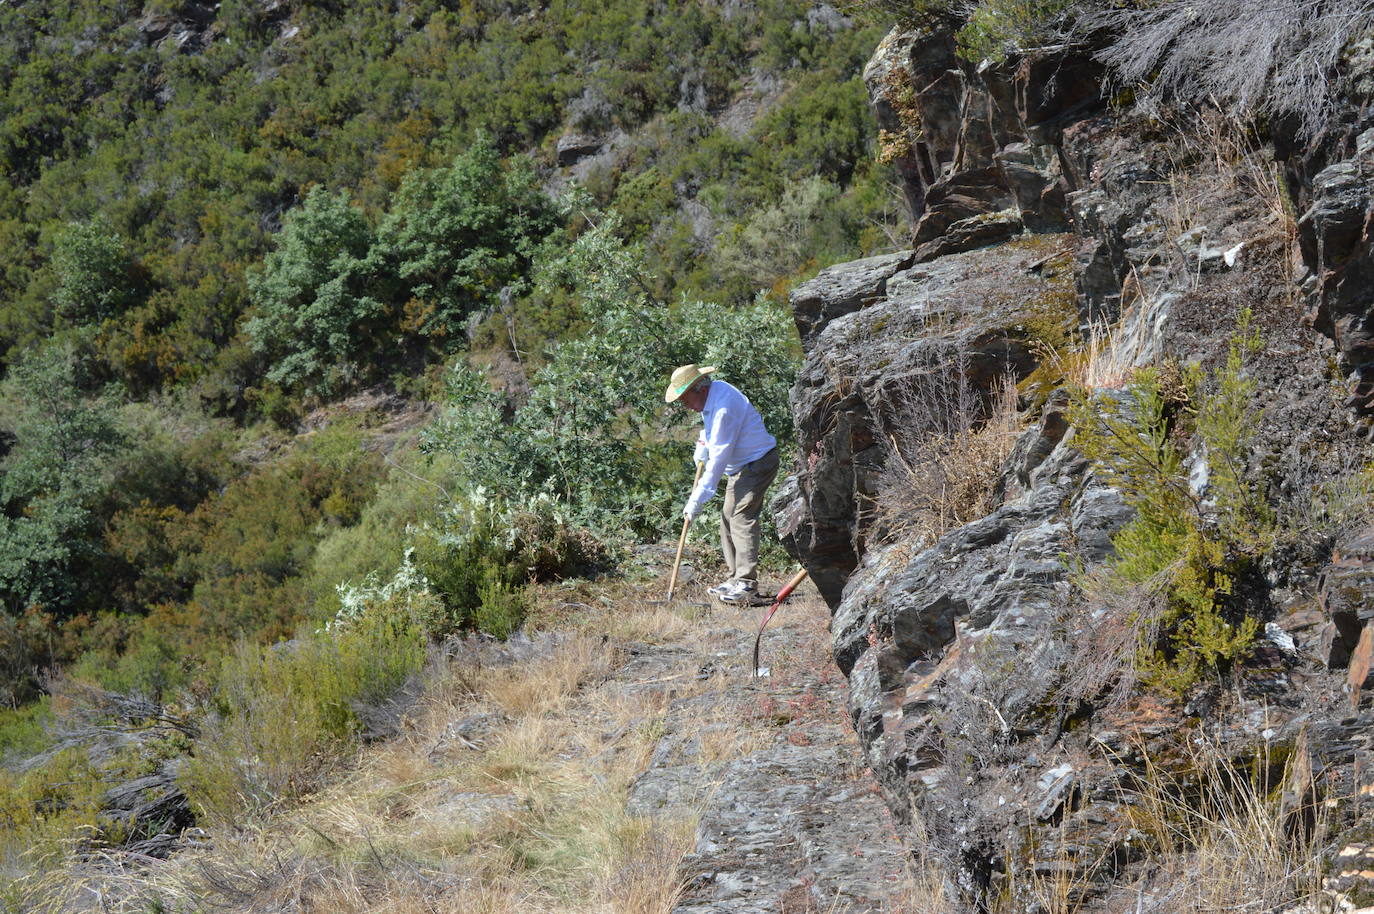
x=218, y=219
x=315, y=355
x=332, y=346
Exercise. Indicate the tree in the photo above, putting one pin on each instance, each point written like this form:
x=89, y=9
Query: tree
x=455, y=236
x=94, y=272
x=54, y=474
x=316, y=304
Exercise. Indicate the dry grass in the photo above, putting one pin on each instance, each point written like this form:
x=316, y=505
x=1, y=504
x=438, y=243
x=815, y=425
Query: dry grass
x=648, y=623
x=1103, y=361
x=1220, y=835
x=526, y=813
x=543, y=688
x=943, y=480
x=1107, y=631
x=1273, y=59
x=1226, y=839
x=924, y=889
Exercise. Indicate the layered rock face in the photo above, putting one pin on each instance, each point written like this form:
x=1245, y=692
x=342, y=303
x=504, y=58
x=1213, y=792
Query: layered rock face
x=988, y=691
x=1332, y=180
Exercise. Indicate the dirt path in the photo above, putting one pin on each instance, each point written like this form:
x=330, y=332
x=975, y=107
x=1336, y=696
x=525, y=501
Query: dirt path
x=790, y=821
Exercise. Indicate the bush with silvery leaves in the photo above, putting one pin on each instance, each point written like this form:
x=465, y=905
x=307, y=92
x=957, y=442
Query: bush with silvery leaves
x=594, y=432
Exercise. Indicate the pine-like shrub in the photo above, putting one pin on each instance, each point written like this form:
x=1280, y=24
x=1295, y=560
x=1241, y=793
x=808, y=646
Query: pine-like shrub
x=1186, y=546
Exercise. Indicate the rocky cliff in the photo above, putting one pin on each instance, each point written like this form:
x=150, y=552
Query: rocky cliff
x=1007, y=704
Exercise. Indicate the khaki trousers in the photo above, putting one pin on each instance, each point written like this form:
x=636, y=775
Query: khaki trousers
x=739, y=516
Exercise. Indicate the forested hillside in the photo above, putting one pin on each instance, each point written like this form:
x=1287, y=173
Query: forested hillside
x=225, y=225
x=328, y=330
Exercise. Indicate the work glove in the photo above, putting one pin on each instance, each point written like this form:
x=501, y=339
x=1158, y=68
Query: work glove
x=689, y=513
x=700, y=454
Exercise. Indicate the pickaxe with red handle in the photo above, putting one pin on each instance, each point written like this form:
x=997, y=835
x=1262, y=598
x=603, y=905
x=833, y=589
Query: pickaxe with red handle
x=777, y=601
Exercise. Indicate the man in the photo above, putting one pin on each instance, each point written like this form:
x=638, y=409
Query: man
x=733, y=444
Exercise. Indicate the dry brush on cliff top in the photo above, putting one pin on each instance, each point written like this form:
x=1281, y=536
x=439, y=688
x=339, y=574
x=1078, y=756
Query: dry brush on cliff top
x=1279, y=59
x=1274, y=59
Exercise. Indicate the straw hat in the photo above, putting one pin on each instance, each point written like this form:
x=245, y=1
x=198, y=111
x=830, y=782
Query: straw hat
x=683, y=378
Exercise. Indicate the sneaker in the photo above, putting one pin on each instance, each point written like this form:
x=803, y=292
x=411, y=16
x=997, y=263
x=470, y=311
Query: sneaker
x=739, y=592
x=722, y=587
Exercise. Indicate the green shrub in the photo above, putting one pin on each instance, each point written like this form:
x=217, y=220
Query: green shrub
x=480, y=553
x=52, y=478
x=54, y=802
x=1186, y=548
x=245, y=550
x=460, y=553
x=96, y=275
x=408, y=498
x=501, y=608
x=456, y=236
x=998, y=27
x=337, y=301
x=284, y=713
x=152, y=664
x=23, y=730
x=594, y=432
x=318, y=311
x=44, y=807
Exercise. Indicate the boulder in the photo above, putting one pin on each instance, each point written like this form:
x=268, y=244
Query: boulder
x=898, y=352
x=968, y=143
x=842, y=289
x=574, y=147
x=1337, y=237
x=1007, y=712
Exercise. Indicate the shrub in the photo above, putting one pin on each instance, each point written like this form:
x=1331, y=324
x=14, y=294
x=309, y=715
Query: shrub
x=779, y=239
x=407, y=498
x=48, y=804
x=59, y=466
x=1272, y=59
x=456, y=236
x=998, y=27
x=479, y=553
x=336, y=297
x=408, y=594
x=500, y=608
x=1177, y=560
x=153, y=664
x=95, y=273
x=246, y=550
x=58, y=800
x=594, y=432
x=23, y=730
x=465, y=550
x=317, y=305
x=946, y=463
x=283, y=714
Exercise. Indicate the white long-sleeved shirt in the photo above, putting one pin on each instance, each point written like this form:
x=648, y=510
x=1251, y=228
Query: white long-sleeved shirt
x=732, y=436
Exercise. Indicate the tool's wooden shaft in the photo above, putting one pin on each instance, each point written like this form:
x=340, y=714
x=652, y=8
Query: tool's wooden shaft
x=791, y=585
x=681, y=541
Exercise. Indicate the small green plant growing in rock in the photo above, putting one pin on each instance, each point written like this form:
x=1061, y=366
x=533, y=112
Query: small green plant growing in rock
x=997, y=27
x=1187, y=544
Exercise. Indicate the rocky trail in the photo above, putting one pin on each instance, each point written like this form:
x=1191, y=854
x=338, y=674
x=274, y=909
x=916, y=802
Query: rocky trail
x=793, y=823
